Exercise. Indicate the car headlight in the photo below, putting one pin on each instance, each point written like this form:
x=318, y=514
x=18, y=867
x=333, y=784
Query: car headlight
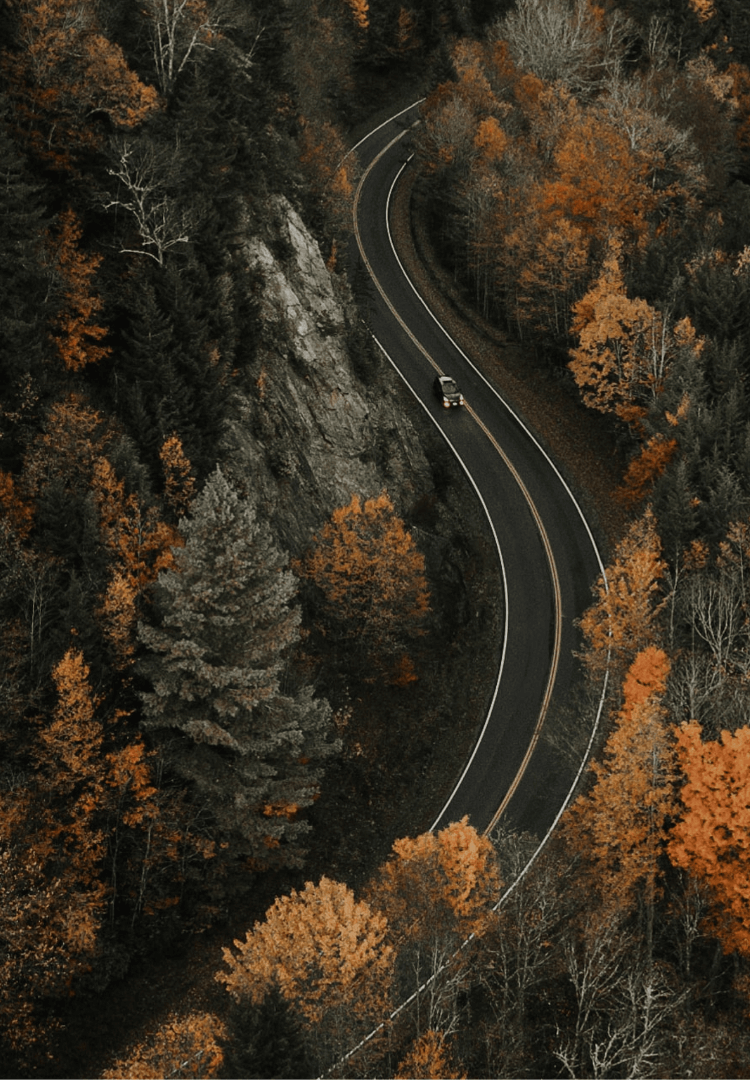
x=446, y=404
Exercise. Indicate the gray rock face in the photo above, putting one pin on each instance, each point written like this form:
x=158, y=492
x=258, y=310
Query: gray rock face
x=310, y=432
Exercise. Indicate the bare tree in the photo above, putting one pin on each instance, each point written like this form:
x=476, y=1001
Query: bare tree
x=180, y=31
x=624, y=1002
x=560, y=41
x=145, y=182
x=715, y=612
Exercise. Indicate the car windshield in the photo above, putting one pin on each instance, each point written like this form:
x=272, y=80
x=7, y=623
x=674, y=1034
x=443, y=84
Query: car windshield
x=449, y=387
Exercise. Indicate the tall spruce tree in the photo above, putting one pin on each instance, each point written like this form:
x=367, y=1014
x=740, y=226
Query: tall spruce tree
x=252, y=753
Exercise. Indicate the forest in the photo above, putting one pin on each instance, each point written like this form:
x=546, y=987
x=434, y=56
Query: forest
x=222, y=599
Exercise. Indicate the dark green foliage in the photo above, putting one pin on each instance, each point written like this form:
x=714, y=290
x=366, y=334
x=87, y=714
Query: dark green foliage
x=265, y=1042
x=251, y=751
x=719, y=301
x=24, y=286
x=170, y=376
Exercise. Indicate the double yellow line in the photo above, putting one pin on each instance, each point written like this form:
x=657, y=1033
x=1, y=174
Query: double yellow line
x=557, y=594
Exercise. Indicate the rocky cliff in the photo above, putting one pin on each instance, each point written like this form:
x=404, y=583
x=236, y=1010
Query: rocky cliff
x=321, y=416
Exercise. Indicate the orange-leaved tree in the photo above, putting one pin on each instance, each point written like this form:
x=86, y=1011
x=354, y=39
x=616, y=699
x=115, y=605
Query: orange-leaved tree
x=76, y=333
x=625, y=347
x=327, y=955
x=140, y=546
x=624, y=616
x=179, y=481
x=619, y=829
x=16, y=515
x=64, y=71
x=52, y=895
x=711, y=837
x=646, y=468
x=447, y=879
x=360, y=9
x=329, y=169
x=437, y=890
x=371, y=577
x=428, y=1059
x=186, y=1046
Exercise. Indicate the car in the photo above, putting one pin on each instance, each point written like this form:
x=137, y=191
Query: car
x=447, y=391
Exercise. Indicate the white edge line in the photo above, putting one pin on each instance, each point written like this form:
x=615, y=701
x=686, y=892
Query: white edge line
x=473, y=483
x=369, y=135
x=572, y=498
x=471, y=364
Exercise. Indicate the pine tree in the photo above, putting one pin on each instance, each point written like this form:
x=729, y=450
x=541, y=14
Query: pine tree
x=24, y=283
x=252, y=753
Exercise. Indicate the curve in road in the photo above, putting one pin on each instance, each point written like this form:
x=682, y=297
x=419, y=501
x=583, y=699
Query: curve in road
x=546, y=547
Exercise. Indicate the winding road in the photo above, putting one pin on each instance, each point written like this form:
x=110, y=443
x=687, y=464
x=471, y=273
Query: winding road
x=546, y=548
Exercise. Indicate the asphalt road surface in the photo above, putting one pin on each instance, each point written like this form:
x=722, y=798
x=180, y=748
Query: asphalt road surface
x=548, y=554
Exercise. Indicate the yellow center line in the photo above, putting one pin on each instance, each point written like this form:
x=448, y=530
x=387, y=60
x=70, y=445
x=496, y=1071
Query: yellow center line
x=557, y=594
x=367, y=263
x=556, y=650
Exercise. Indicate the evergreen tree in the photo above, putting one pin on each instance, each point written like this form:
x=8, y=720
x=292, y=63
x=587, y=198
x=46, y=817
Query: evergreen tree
x=23, y=282
x=252, y=753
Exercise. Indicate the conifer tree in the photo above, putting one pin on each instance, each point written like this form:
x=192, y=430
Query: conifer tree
x=24, y=280
x=252, y=753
